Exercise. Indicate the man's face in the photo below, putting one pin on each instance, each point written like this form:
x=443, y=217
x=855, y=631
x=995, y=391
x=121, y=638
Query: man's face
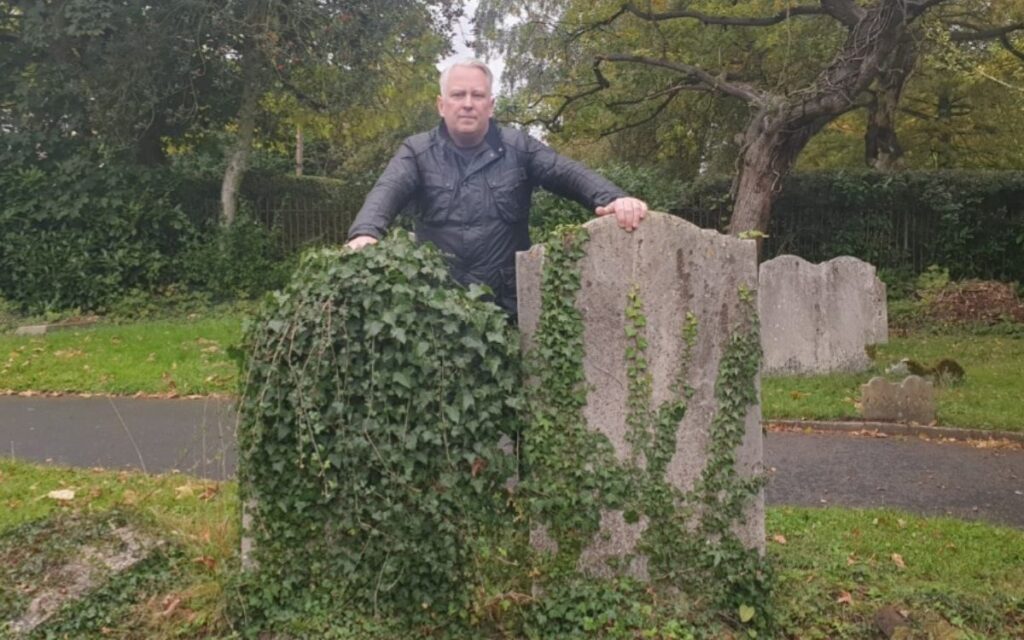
x=466, y=105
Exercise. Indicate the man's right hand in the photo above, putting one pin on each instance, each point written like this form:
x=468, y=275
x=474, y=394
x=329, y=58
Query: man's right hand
x=359, y=242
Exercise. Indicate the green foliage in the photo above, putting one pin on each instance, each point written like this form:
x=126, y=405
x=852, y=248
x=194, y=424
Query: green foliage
x=374, y=399
x=971, y=222
x=75, y=231
x=661, y=192
x=243, y=260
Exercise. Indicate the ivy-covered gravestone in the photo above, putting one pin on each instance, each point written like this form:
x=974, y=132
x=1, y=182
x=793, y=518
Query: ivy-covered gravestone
x=644, y=449
x=376, y=394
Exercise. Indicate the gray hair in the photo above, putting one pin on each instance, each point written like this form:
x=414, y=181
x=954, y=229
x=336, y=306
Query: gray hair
x=471, y=63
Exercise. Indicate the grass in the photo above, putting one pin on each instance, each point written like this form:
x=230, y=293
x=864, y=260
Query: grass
x=834, y=567
x=178, y=592
x=172, y=356
x=989, y=397
x=189, y=356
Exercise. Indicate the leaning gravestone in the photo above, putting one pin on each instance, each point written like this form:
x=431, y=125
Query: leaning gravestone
x=644, y=448
x=818, y=318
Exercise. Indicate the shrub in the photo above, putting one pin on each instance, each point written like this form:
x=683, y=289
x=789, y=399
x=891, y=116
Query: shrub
x=240, y=261
x=75, y=231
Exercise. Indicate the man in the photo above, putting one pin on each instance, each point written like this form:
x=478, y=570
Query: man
x=472, y=181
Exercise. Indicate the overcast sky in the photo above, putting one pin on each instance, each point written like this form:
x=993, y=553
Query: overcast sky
x=463, y=33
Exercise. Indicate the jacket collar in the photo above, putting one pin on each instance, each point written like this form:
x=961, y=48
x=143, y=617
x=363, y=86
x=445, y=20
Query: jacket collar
x=492, y=137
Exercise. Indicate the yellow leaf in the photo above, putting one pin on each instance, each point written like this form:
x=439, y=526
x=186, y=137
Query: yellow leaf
x=844, y=598
x=897, y=559
x=778, y=537
x=746, y=613
x=61, y=495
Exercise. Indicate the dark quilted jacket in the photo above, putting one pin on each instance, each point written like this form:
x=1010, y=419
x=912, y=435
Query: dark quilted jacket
x=480, y=220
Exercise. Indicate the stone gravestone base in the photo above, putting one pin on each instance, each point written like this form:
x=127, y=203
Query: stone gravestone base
x=818, y=318
x=669, y=336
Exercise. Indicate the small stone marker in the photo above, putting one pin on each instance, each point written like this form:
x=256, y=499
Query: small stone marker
x=912, y=400
x=675, y=269
x=43, y=329
x=818, y=318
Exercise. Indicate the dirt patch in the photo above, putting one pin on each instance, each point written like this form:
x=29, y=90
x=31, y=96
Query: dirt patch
x=977, y=302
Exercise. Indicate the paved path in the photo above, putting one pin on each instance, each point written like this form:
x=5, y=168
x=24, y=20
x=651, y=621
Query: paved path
x=197, y=436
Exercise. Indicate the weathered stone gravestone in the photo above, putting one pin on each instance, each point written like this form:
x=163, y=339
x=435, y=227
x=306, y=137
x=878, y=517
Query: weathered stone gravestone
x=818, y=318
x=912, y=400
x=668, y=436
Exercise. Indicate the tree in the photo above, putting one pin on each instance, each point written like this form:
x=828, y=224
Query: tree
x=328, y=54
x=132, y=75
x=124, y=74
x=855, y=49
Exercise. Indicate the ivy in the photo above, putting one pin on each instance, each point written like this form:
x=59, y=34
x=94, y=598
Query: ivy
x=376, y=393
x=375, y=396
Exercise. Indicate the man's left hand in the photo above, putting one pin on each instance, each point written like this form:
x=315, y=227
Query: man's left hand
x=628, y=212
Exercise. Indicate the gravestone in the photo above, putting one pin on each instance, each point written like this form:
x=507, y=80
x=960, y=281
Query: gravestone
x=677, y=271
x=912, y=400
x=818, y=318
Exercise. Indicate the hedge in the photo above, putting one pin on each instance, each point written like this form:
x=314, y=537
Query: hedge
x=970, y=222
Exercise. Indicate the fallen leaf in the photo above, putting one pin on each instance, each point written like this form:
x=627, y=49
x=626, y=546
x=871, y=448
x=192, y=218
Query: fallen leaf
x=61, y=495
x=746, y=613
x=778, y=537
x=897, y=559
x=171, y=603
x=478, y=467
x=851, y=560
x=206, y=561
x=184, y=491
x=844, y=598
x=209, y=492
x=129, y=497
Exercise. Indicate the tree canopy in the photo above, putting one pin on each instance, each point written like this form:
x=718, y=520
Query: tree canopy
x=720, y=85
x=138, y=78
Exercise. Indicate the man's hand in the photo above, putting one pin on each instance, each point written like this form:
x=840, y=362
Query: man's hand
x=627, y=211
x=359, y=242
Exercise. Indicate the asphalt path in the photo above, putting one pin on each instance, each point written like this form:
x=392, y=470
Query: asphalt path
x=805, y=469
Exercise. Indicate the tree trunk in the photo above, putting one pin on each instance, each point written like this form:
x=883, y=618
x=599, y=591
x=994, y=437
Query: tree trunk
x=299, y=143
x=772, y=144
x=882, y=149
x=238, y=160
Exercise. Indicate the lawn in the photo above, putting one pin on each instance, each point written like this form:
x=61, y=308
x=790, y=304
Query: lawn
x=988, y=398
x=835, y=568
x=182, y=356
x=190, y=356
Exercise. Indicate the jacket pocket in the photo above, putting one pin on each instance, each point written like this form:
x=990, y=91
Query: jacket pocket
x=436, y=198
x=511, y=194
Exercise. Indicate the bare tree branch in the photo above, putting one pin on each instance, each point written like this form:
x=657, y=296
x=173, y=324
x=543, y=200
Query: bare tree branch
x=654, y=114
x=983, y=33
x=718, y=83
x=845, y=11
x=703, y=18
x=1005, y=41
